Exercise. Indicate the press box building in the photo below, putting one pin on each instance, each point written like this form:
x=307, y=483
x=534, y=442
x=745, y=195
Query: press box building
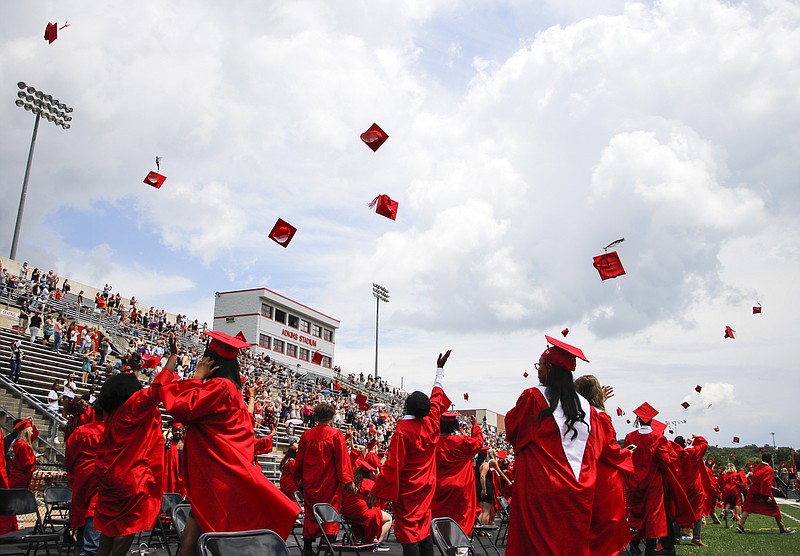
x=288, y=331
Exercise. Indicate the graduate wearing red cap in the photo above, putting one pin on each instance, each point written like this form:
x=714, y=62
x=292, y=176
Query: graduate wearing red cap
x=553, y=431
x=219, y=471
x=23, y=463
x=288, y=484
x=372, y=456
x=173, y=456
x=7, y=523
x=80, y=453
x=455, y=495
x=693, y=475
x=368, y=524
x=759, y=499
x=408, y=476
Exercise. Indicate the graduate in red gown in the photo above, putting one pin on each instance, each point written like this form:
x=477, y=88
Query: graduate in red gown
x=610, y=529
x=323, y=470
x=130, y=459
x=80, y=453
x=693, y=474
x=455, y=494
x=372, y=456
x=759, y=499
x=288, y=484
x=227, y=490
x=731, y=485
x=173, y=473
x=23, y=463
x=408, y=476
x=368, y=524
x=7, y=523
x=554, y=434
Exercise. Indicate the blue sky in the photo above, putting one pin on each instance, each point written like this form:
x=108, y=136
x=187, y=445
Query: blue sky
x=522, y=140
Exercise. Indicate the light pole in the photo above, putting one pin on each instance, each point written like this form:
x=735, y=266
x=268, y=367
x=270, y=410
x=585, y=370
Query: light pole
x=775, y=446
x=674, y=424
x=43, y=106
x=381, y=294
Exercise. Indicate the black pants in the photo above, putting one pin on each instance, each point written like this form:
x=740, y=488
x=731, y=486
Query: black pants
x=421, y=548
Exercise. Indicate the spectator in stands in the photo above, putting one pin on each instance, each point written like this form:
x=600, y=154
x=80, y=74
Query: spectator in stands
x=16, y=361
x=23, y=464
x=3, y=280
x=49, y=329
x=68, y=392
x=58, y=334
x=65, y=287
x=105, y=349
x=72, y=337
x=35, y=325
x=22, y=324
x=23, y=271
x=52, y=406
x=80, y=301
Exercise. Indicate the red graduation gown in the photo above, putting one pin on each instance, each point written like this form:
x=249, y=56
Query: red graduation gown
x=23, y=464
x=408, y=476
x=323, y=468
x=646, y=497
x=228, y=492
x=366, y=522
x=610, y=529
x=130, y=464
x=373, y=459
x=288, y=483
x=555, y=479
x=455, y=494
x=173, y=476
x=7, y=523
x=263, y=445
x=79, y=460
x=731, y=488
x=759, y=498
x=692, y=466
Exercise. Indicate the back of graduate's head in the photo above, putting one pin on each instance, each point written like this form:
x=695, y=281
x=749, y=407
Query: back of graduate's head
x=766, y=457
x=116, y=390
x=226, y=367
x=589, y=387
x=680, y=441
x=324, y=412
x=448, y=427
x=418, y=404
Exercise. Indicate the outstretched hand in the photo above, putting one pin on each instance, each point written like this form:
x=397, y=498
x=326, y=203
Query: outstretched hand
x=608, y=392
x=173, y=344
x=442, y=359
x=204, y=368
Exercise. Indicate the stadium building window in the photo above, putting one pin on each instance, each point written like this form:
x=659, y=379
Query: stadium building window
x=264, y=341
x=266, y=311
x=304, y=326
x=304, y=354
x=294, y=322
x=327, y=335
x=280, y=316
x=316, y=331
x=277, y=345
x=291, y=350
x=326, y=362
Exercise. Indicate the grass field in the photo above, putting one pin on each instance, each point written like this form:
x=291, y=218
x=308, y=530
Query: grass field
x=762, y=538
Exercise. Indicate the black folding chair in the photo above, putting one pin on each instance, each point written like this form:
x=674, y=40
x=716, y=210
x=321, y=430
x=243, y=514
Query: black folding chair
x=505, y=519
x=180, y=513
x=262, y=542
x=57, y=500
x=449, y=537
x=163, y=525
x=325, y=515
x=20, y=501
x=484, y=533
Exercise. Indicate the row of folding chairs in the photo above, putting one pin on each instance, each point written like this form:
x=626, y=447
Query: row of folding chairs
x=17, y=502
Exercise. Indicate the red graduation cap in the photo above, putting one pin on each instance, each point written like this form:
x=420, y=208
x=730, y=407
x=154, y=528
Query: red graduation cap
x=150, y=361
x=361, y=401
x=658, y=427
x=620, y=413
x=608, y=264
x=51, y=32
x=385, y=206
x=466, y=396
x=757, y=309
x=735, y=439
x=645, y=412
x=24, y=424
x=565, y=332
x=685, y=405
x=716, y=429
x=365, y=465
x=282, y=232
x=225, y=345
x=317, y=358
x=628, y=421
x=525, y=374
x=449, y=417
x=562, y=354
x=729, y=333
x=501, y=454
x=698, y=388
x=671, y=431
x=374, y=137
x=155, y=179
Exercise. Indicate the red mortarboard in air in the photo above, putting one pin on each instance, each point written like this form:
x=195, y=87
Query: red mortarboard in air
x=317, y=358
x=154, y=179
x=757, y=309
x=729, y=333
x=562, y=354
x=24, y=424
x=685, y=405
x=658, y=427
x=698, y=388
x=671, y=431
x=385, y=206
x=361, y=401
x=466, y=396
x=620, y=413
x=51, y=32
x=449, y=416
x=565, y=332
x=716, y=429
x=150, y=361
x=282, y=232
x=225, y=345
x=735, y=439
x=645, y=412
x=525, y=374
x=374, y=137
x=628, y=421
x=608, y=264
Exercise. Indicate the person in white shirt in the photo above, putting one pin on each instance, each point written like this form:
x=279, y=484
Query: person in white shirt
x=52, y=406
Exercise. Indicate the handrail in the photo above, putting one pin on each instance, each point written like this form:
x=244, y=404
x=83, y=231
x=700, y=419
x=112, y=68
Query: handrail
x=37, y=405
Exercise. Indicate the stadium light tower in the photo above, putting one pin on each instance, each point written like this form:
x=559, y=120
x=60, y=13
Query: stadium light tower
x=381, y=294
x=42, y=106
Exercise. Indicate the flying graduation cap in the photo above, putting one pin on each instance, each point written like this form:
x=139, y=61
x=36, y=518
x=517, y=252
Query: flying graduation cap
x=361, y=401
x=385, y=206
x=565, y=332
x=698, y=388
x=466, y=396
x=685, y=405
x=757, y=309
x=374, y=137
x=282, y=233
x=716, y=429
x=317, y=358
x=608, y=264
x=154, y=179
x=51, y=31
x=735, y=439
x=620, y=413
x=525, y=374
x=729, y=333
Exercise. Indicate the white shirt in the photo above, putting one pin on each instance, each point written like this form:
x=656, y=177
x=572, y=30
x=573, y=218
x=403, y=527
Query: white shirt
x=52, y=401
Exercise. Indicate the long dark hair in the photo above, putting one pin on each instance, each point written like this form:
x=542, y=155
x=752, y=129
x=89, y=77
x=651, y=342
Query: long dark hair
x=226, y=368
x=561, y=388
x=291, y=453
